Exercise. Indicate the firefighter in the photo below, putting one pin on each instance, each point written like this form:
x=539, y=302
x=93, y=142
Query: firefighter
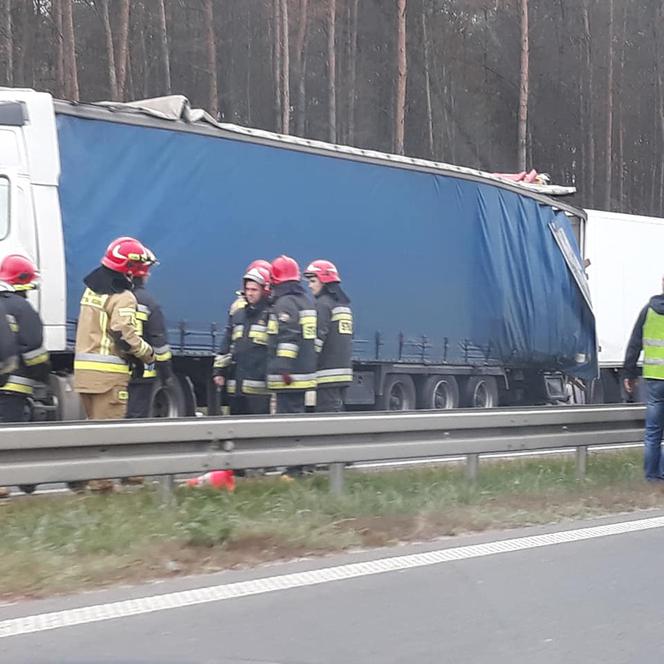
x=242, y=361
x=151, y=326
x=238, y=303
x=107, y=336
x=291, y=367
x=18, y=276
x=23, y=350
x=334, y=338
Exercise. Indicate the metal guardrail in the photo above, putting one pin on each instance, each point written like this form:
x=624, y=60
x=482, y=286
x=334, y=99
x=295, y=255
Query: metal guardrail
x=69, y=451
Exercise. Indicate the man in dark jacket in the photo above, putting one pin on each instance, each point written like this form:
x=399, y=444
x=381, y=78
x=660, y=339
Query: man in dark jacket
x=648, y=335
x=334, y=339
x=291, y=369
x=23, y=354
x=152, y=327
x=18, y=275
x=241, y=364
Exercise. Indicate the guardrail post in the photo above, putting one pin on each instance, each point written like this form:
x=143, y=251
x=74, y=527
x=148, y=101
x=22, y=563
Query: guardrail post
x=472, y=466
x=581, y=461
x=166, y=486
x=336, y=475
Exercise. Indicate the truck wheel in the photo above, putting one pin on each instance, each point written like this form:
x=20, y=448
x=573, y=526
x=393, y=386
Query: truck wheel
x=398, y=393
x=480, y=392
x=438, y=393
x=170, y=401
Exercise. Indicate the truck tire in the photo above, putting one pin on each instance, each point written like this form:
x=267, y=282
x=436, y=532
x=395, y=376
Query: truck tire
x=438, y=393
x=171, y=401
x=480, y=392
x=398, y=393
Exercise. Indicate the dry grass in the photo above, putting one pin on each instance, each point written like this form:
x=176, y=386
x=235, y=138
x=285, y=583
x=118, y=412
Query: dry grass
x=62, y=543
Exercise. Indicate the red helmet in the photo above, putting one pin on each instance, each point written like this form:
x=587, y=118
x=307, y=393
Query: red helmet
x=18, y=271
x=259, y=262
x=264, y=265
x=284, y=269
x=125, y=255
x=261, y=275
x=326, y=271
x=143, y=269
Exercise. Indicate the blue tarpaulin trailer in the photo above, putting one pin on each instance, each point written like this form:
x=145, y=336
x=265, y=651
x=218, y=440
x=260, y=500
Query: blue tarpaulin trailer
x=452, y=274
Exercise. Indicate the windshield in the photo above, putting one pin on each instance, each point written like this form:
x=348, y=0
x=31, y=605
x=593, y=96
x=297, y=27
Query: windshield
x=4, y=206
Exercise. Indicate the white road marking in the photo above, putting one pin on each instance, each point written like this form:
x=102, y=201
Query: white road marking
x=176, y=600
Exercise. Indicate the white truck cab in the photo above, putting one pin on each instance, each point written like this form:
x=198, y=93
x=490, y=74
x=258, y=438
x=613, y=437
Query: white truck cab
x=30, y=220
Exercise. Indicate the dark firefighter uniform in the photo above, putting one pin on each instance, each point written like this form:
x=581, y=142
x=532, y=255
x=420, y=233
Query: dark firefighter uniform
x=33, y=360
x=291, y=369
x=151, y=326
x=8, y=347
x=334, y=345
x=242, y=358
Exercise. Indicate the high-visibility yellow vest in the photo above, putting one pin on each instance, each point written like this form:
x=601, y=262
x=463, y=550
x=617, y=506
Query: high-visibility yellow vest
x=653, y=345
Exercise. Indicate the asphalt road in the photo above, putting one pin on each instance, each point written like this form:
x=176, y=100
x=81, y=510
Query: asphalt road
x=598, y=599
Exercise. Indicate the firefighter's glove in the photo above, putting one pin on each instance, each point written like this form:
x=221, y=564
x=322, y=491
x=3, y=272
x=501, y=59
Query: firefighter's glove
x=137, y=369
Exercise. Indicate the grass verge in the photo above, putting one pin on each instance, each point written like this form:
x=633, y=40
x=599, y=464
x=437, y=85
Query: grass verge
x=64, y=543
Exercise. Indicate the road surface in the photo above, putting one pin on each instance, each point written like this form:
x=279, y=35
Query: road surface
x=591, y=592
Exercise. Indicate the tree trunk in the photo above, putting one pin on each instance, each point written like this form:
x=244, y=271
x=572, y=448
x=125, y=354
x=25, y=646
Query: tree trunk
x=332, y=70
x=29, y=26
x=402, y=72
x=69, y=47
x=59, y=49
x=352, y=77
x=248, y=80
x=163, y=48
x=110, y=53
x=122, y=43
x=301, y=55
x=589, y=110
x=659, y=70
x=211, y=51
x=277, y=52
x=427, y=80
x=285, y=69
x=524, y=82
x=138, y=55
x=7, y=42
x=620, y=152
x=609, y=115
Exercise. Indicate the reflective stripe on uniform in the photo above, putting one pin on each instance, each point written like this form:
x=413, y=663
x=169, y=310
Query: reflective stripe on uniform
x=145, y=348
x=308, y=323
x=253, y=386
x=327, y=376
x=299, y=382
x=163, y=353
x=239, y=303
x=142, y=312
x=34, y=357
x=222, y=361
x=272, y=325
x=319, y=345
x=18, y=384
x=13, y=325
x=96, y=362
x=92, y=299
x=342, y=313
x=231, y=387
x=288, y=350
x=258, y=333
x=237, y=332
